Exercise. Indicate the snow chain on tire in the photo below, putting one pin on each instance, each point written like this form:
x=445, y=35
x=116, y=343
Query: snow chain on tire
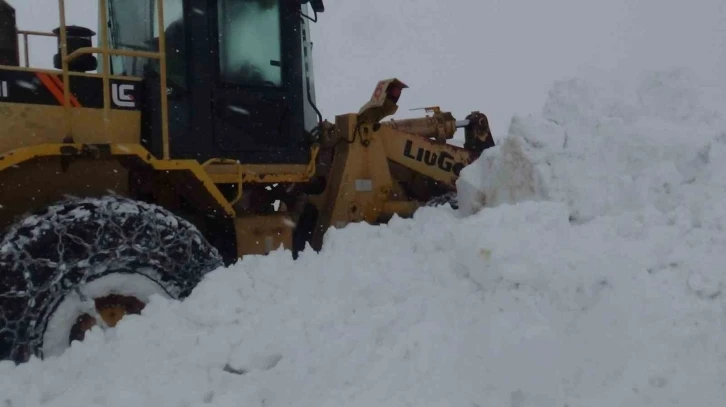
x=46, y=256
x=447, y=198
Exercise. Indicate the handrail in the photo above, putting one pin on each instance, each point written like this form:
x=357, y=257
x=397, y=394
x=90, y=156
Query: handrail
x=105, y=53
x=38, y=33
x=122, y=52
x=64, y=66
x=106, y=61
x=162, y=69
x=26, y=46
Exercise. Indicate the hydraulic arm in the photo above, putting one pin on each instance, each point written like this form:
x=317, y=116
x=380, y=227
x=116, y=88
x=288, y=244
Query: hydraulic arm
x=375, y=170
x=420, y=144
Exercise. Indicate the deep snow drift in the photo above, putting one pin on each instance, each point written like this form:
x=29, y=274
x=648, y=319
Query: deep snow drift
x=603, y=287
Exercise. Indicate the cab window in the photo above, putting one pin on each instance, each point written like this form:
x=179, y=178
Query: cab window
x=250, y=42
x=134, y=27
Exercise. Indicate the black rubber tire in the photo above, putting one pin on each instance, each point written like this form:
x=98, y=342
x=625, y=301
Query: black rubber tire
x=304, y=229
x=48, y=255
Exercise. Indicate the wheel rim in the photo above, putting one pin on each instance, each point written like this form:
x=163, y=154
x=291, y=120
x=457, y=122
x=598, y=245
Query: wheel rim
x=113, y=307
x=102, y=303
x=110, y=310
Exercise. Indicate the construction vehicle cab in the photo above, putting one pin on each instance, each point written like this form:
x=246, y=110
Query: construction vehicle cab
x=235, y=76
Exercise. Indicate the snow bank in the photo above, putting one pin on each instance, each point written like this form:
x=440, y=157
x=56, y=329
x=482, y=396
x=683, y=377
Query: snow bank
x=607, y=148
x=603, y=288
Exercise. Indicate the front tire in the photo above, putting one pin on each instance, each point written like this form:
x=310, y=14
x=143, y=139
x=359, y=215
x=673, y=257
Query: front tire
x=115, y=250
x=447, y=198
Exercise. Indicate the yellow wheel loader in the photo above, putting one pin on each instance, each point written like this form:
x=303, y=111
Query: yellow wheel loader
x=185, y=138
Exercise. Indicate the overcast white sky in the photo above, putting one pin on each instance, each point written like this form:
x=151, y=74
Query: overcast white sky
x=496, y=56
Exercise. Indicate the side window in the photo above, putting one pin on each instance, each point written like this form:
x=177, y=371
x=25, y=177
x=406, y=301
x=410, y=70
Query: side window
x=175, y=37
x=133, y=26
x=249, y=42
x=131, y=29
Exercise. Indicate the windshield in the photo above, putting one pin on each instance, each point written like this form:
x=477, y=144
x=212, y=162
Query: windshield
x=133, y=26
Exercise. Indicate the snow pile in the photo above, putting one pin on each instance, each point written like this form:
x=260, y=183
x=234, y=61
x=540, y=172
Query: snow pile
x=607, y=149
x=604, y=288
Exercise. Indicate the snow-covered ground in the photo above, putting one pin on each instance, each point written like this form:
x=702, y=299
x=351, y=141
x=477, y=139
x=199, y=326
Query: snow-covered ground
x=602, y=287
